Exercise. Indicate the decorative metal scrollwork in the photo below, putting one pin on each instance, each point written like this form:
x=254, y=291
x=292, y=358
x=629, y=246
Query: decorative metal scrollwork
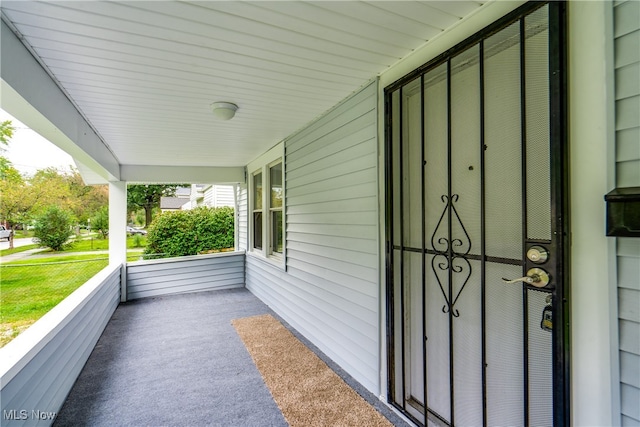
x=451, y=255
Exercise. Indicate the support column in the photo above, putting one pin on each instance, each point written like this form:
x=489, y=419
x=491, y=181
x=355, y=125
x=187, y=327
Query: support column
x=236, y=219
x=117, y=231
x=594, y=366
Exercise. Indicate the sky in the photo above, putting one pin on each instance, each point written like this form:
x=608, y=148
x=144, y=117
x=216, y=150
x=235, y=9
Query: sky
x=28, y=151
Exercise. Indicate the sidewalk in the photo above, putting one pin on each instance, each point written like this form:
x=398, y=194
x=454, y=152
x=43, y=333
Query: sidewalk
x=35, y=254
x=20, y=255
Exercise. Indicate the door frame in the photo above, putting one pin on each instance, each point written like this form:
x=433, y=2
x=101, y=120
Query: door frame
x=559, y=191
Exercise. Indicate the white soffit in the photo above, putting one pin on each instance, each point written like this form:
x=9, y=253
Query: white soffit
x=144, y=73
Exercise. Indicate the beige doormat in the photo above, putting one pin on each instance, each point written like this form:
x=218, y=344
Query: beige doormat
x=306, y=390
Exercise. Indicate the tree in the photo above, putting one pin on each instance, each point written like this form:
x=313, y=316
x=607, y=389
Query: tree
x=92, y=197
x=6, y=132
x=53, y=228
x=8, y=172
x=16, y=200
x=138, y=216
x=25, y=198
x=66, y=189
x=100, y=221
x=51, y=187
x=147, y=197
x=17, y=203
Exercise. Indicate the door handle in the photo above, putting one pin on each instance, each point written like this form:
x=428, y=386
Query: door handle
x=536, y=277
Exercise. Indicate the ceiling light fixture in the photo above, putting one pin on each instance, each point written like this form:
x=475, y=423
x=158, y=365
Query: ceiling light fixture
x=224, y=110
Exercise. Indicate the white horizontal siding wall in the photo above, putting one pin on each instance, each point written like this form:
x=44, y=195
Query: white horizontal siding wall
x=223, y=195
x=629, y=328
x=209, y=197
x=627, y=95
x=330, y=289
x=40, y=366
x=216, y=196
x=185, y=274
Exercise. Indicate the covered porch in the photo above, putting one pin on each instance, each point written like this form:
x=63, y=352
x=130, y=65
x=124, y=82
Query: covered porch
x=169, y=356
x=127, y=88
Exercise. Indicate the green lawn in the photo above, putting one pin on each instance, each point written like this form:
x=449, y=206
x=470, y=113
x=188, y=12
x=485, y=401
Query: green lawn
x=21, y=234
x=96, y=244
x=86, y=245
x=89, y=244
x=55, y=259
x=30, y=288
x=28, y=292
x=4, y=252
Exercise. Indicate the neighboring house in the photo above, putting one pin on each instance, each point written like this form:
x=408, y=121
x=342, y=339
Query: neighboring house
x=210, y=195
x=176, y=203
x=196, y=197
x=183, y=192
x=216, y=196
x=172, y=203
x=440, y=232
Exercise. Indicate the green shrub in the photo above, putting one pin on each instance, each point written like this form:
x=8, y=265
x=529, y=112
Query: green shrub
x=100, y=222
x=53, y=228
x=137, y=241
x=191, y=232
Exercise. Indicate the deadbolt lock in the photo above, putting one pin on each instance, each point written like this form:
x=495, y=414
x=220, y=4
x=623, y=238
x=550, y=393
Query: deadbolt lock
x=535, y=277
x=537, y=254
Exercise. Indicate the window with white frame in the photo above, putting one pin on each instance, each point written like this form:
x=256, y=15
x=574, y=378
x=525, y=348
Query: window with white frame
x=275, y=208
x=267, y=205
x=257, y=210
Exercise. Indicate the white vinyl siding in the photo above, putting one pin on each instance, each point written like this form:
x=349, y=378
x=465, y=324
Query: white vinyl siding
x=627, y=124
x=219, y=195
x=209, y=196
x=185, y=274
x=330, y=289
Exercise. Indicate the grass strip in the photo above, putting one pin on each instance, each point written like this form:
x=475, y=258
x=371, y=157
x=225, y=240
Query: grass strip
x=28, y=293
x=5, y=252
x=56, y=259
x=96, y=244
x=30, y=288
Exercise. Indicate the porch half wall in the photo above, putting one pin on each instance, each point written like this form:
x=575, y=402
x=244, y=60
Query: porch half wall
x=329, y=290
x=39, y=367
x=185, y=274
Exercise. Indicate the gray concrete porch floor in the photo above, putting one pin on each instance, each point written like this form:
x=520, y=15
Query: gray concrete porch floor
x=177, y=361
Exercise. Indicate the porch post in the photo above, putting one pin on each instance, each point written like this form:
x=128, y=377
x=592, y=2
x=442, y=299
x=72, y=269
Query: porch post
x=236, y=218
x=117, y=231
x=594, y=361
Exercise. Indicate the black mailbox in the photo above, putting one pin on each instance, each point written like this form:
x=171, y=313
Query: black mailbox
x=623, y=212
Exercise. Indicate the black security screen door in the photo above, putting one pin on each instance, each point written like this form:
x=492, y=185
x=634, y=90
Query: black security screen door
x=476, y=229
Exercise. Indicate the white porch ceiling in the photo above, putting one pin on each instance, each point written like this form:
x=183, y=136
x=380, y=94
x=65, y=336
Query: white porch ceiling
x=144, y=73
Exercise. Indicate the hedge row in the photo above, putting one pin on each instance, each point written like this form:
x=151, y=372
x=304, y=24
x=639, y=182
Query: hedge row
x=191, y=232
